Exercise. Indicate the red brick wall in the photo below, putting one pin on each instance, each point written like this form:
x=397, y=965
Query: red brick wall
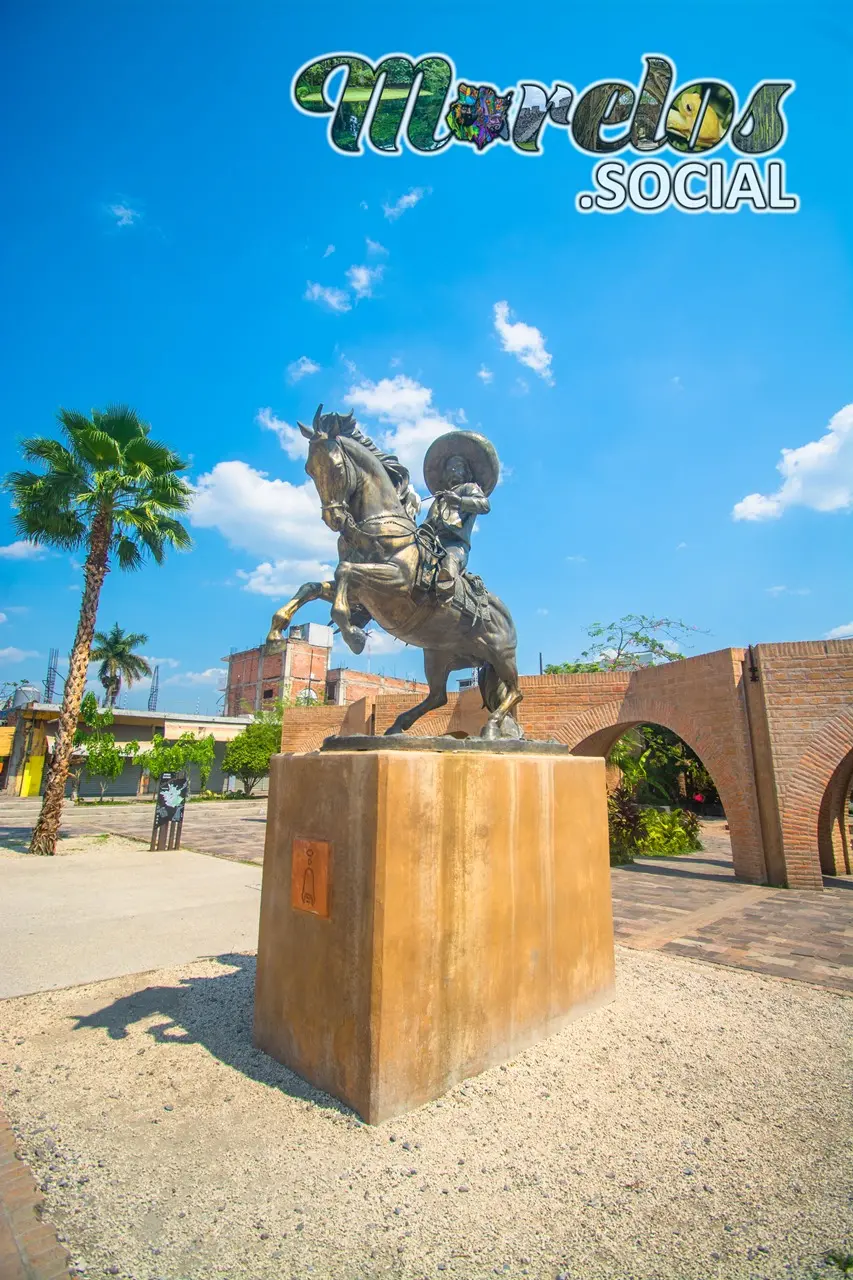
x=807, y=693
x=349, y=686
x=287, y=674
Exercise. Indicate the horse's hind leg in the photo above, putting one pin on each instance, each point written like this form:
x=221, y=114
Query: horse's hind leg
x=506, y=670
x=437, y=667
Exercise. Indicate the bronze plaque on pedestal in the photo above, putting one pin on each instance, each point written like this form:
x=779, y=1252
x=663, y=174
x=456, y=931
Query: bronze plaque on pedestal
x=309, y=880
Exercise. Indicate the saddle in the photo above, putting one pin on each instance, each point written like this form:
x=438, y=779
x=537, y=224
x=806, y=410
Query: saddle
x=470, y=595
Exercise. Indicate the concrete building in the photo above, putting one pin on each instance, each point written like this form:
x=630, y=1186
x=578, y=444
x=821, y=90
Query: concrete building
x=301, y=673
x=28, y=734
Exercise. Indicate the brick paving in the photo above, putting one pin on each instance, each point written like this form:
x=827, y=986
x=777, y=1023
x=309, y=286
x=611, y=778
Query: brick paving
x=225, y=828
x=29, y=1249
x=693, y=906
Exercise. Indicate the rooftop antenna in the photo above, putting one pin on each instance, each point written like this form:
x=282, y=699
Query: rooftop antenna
x=154, y=690
x=50, y=678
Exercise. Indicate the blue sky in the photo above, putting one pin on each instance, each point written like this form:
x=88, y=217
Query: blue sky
x=167, y=208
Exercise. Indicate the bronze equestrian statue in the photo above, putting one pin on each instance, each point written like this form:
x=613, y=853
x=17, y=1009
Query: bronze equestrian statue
x=412, y=579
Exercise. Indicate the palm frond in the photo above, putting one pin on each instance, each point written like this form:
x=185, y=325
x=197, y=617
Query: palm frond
x=127, y=553
x=122, y=423
x=54, y=453
x=96, y=446
x=156, y=456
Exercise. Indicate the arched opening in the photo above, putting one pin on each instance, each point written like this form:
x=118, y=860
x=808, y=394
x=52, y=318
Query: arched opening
x=835, y=821
x=662, y=800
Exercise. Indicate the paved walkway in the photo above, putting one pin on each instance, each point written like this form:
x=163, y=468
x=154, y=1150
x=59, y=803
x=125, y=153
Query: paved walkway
x=116, y=908
x=29, y=1249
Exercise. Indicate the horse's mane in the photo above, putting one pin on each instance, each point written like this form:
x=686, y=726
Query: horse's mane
x=348, y=428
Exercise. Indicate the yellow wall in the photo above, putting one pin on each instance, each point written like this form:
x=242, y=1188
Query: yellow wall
x=31, y=781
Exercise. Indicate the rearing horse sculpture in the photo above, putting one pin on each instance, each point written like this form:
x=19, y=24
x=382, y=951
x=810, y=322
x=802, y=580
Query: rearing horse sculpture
x=377, y=575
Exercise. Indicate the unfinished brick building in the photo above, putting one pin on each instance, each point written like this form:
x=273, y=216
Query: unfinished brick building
x=773, y=726
x=301, y=672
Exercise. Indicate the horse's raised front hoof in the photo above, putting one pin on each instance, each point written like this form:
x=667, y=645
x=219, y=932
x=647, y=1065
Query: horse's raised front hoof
x=490, y=731
x=274, y=642
x=355, y=638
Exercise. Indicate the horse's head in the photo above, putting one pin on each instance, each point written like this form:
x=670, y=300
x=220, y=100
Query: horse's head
x=327, y=463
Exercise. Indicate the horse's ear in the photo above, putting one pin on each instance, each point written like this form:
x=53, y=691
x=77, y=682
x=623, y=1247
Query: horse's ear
x=306, y=431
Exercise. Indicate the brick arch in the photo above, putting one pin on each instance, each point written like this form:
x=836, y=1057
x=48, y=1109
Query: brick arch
x=812, y=801
x=725, y=755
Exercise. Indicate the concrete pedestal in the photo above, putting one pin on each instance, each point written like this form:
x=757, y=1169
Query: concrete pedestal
x=427, y=914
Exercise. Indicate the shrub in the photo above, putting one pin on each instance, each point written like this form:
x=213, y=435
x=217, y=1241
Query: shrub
x=624, y=826
x=650, y=833
x=665, y=835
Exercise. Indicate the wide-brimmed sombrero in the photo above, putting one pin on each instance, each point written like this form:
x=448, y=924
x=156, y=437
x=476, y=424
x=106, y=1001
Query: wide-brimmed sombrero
x=478, y=452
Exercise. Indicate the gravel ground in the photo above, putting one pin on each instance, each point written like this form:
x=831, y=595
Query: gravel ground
x=697, y=1127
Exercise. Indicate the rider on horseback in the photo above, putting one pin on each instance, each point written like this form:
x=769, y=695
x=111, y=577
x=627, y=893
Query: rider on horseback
x=460, y=469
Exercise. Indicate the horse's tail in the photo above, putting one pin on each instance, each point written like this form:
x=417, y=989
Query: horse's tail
x=492, y=688
x=493, y=691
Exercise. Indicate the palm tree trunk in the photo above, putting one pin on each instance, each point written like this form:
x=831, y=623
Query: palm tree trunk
x=46, y=830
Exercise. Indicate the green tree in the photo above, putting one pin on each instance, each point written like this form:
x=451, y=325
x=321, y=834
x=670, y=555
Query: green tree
x=174, y=757
x=633, y=642
x=109, y=489
x=247, y=756
x=114, y=650
x=104, y=759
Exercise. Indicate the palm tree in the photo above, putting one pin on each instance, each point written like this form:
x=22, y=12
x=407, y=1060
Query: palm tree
x=114, y=492
x=114, y=650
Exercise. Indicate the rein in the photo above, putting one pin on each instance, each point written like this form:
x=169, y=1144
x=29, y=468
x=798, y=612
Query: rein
x=402, y=525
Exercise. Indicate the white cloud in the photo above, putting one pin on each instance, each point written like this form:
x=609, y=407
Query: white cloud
x=373, y=246
x=3, y=617
x=212, y=675
x=543, y=613
x=290, y=438
x=13, y=654
x=22, y=551
x=124, y=215
x=676, y=383
x=408, y=201
x=362, y=204
x=406, y=407
x=788, y=591
x=576, y=559
x=261, y=515
x=171, y=663
x=524, y=341
x=522, y=386
x=282, y=577
x=818, y=475
x=843, y=632
x=379, y=642
x=681, y=546
x=330, y=249
x=334, y=299
x=485, y=375
x=362, y=279
x=301, y=368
